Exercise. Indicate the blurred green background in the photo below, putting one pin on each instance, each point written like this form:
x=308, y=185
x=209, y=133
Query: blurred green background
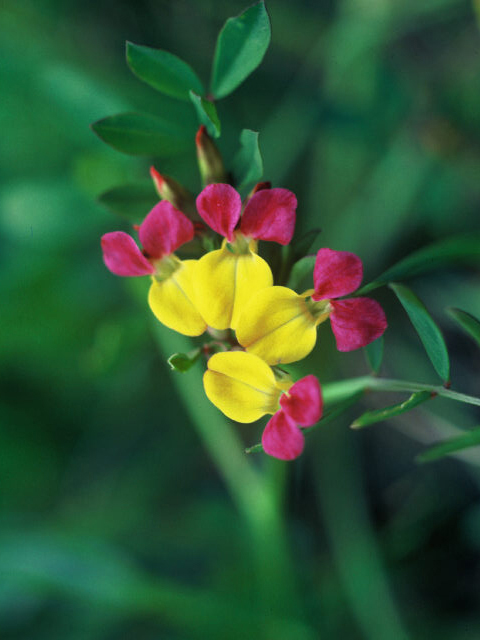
x=118, y=517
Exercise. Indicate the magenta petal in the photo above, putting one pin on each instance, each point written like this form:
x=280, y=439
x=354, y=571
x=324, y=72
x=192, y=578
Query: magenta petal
x=270, y=215
x=164, y=230
x=336, y=273
x=220, y=206
x=356, y=322
x=282, y=438
x=122, y=256
x=303, y=402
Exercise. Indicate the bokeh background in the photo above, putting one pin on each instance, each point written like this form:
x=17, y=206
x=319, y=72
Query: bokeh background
x=117, y=518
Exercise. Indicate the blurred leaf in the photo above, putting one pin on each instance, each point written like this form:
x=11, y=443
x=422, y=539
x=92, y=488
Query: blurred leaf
x=300, y=270
x=374, y=354
x=240, y=48
x=469, y=323
x=248, y=163
x=163, y=71
x=131, y=201
x=184, y=361
x=303, y=244
x=207, y=114
x=454, y=250
x=378, y=415
x=429, y=333
x=141, y=134
x=465, y=441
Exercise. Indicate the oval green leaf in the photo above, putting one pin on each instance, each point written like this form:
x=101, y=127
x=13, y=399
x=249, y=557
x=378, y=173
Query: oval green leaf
x=379, y=415
x=429, y=333
x=131, y=201
x=140, y=134
x=207, y=114
x=240, y=48
x=300, y=271
x=163, y=71
x=453, y=445
x=248, y=163
x=469, y=323
x=374, y=354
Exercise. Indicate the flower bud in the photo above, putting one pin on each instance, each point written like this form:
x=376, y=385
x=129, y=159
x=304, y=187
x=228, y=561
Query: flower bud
x=171, y=190
x=209, y=159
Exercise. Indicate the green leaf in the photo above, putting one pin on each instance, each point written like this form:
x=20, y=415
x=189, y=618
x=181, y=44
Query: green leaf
x=459, y=249
x=469, y=323
x=163, y=71
x=248, y=163
x=374, y=354
x=302, y=245
x=465, y=441
x=379, y=415
x=300, y=270
x=207, y=114
x=240, y=48
x=131, y=201
x=429, y=333
x=140, y=134
x=184, y=361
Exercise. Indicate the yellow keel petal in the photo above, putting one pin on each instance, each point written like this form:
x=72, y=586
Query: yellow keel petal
x=277, y=326
x=241, y=385
x=171, y=301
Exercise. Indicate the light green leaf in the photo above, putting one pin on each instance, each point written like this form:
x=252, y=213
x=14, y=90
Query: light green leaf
x=300, y=270
x=207, y=114
x=469, y=323
x=240, y=48
x=140, y=134
x=163, y=71
x=379, y=415
x=248, y=163
x=184, y=361
x=374, y=354
x=131, y=201
x=429, y=333
x=459, y=443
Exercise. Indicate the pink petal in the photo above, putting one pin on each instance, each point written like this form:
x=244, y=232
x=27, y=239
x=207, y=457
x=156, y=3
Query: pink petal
x=220, y=206
x=336, y=273
x=270, y=215
x=303, y=402
x=356, y=322
x=164, y=230
x=122, y=256
x=282, y=438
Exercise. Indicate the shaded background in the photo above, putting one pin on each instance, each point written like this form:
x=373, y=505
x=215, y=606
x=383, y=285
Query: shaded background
x=115, y=522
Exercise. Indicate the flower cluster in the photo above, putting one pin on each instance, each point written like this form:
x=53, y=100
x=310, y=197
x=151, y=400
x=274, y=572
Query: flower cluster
x=232, y=288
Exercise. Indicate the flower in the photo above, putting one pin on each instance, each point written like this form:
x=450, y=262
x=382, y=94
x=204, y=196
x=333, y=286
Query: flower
x=280, y=325
x=164, y=230
x=245, y=388
x=227, y=278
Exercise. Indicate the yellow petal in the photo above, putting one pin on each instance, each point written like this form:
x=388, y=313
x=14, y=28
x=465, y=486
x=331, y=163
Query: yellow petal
x=225, y=282
x=277, y=326
x=171, y=301
x=241, y=385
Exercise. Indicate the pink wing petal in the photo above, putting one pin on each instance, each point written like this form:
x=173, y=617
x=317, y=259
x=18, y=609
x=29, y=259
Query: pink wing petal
x=164, y=230
x=220, y=206
x=270, y=215
x=336, y=273
x=282, y=438
x=122, y=256
x=356, y=322
x=303, y=402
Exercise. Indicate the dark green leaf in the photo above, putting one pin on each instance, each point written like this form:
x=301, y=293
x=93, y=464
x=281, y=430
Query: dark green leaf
x=465, y=441
x=139, y=134
x=378, y=415
x=207, y=114
x=454, y=250
x=302, y=245
x=184, y=361
x=429, y=333
x=248, y=163
x=301, y=270
x=374, y=354
x=240, y=48
x=469, y=323
x=131, y=201
x=163, y=71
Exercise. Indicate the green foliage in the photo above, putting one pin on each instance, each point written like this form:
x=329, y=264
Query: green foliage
x=429, y=333
x=131, y=201
x=374, y=354
x=453, y=445
x=240, y=48
x=300, y=271
x=163, y=71
x=248, y=164
x=468, y=322
x=379, y=415
x=182, y=362
x=207, y=114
